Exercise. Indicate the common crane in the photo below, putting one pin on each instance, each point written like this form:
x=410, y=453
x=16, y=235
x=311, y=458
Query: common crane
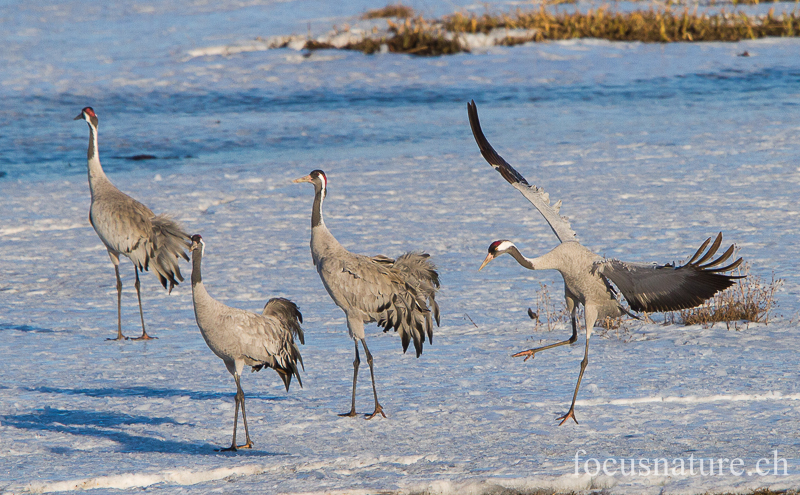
x=588, y=277
x=396, y=294
x=241, y=338
x=129, y=228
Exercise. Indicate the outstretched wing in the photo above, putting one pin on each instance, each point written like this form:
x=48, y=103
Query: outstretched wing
x=651, y=287
x=536, y=195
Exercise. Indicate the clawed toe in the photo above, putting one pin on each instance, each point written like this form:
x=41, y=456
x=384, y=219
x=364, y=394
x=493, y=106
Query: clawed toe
x=378, y=410
x=234, y=448
x=564, y=418
x=528, y=354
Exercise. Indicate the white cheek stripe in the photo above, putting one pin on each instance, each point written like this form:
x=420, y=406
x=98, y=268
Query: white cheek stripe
x=503, y=246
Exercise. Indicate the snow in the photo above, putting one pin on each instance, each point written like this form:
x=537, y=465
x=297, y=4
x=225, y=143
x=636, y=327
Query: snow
x=652, y=149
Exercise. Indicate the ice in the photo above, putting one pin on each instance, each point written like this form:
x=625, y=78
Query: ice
x=651, y=147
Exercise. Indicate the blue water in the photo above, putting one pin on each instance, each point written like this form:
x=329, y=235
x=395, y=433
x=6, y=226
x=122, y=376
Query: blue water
x=130, y=63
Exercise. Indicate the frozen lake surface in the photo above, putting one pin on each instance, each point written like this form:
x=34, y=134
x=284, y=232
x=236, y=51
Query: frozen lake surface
x=652, y=148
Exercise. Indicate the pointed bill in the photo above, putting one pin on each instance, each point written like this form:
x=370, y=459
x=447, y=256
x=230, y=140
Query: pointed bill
x=489, y=257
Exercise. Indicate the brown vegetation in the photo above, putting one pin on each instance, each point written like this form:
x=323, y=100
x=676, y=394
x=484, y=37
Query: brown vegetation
x=415, y=36
x=648, y=26
x=420, y=36
x=750, y=300
x=396, y=10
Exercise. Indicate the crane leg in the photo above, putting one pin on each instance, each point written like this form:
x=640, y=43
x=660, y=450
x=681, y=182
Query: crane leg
x=378, y=408
x=356, y=362
x=141, y=313
x=239, y=398
x=235, y=421
x=591, y=317
x=119, y=301
x=531, y=352
x=248, y=443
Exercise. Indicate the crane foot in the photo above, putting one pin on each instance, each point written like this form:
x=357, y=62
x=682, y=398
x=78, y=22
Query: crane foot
x=234, y=448
x=570, y=414
x=378, y=410
x=145, y=337
x=119, y=337
x=528, y=354
x=350, y=414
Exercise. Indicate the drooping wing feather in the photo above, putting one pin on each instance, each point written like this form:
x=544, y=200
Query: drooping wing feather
x=379, y=291
x=422, y=274
x=168, y=243
x=289, y=315
x=264, y=342
x=537, y=196
x=130, y=228
x=651, y=287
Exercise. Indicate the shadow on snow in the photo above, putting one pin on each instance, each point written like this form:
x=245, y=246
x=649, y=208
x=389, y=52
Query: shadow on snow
x=109, y=426
x=150, y=392
x=25, y=328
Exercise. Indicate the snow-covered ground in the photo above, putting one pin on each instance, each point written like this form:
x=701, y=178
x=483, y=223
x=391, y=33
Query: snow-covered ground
x=652, y=148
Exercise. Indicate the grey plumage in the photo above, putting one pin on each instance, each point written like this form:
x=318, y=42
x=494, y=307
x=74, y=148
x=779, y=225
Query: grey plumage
x=590, y=279
x=396, y=294
x=240, y=337
x=129, y=228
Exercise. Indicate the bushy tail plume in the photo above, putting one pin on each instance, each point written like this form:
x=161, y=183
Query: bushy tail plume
x=169, y=243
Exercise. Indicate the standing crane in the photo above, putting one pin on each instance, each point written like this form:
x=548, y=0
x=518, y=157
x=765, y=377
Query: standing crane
x=396, y=294
x=588, y=277
x=241, y=338
x=129, y=228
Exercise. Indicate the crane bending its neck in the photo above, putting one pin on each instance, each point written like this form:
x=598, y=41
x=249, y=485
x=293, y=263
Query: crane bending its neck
x=502, y=247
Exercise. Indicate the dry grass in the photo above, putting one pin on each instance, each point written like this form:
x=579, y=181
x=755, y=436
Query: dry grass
x=420, y=36
x=751, y=299
x=415, y=36
x=649, y=26
x=396, y=10
x=548, y=313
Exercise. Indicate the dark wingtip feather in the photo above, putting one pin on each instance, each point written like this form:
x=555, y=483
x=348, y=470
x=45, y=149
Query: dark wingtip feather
x=508, y=172
x=730, y=267
x=711, y=251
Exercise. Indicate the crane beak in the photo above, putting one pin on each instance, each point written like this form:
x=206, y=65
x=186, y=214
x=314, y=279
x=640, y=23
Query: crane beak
x=489, y=257
x=307, y=178
x=79, y=117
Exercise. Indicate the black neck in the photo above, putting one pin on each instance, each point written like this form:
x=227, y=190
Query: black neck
x=197, y=257
x=316, y=212
x=92, y=151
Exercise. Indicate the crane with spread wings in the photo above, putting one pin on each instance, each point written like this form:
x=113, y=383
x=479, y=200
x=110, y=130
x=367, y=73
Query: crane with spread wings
x=596, y=282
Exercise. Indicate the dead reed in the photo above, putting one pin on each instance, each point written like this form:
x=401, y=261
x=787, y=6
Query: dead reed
x=664, y=25
x=420, y=36
x=548, y=313
x=751, y=299
x=416, y=36
x=396, y=10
